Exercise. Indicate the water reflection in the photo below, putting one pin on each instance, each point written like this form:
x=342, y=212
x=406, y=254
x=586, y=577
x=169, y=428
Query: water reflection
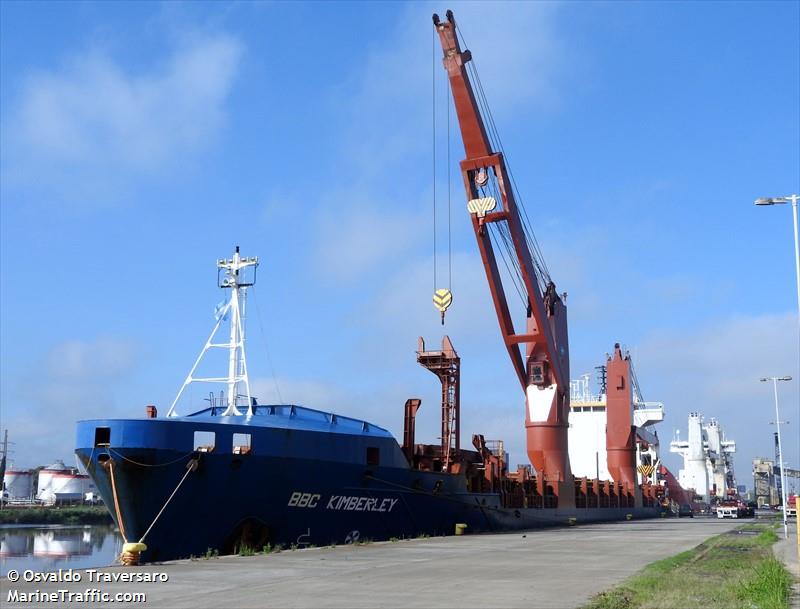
x=54, y=547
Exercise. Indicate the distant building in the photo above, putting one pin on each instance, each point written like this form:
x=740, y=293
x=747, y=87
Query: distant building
x=765, y=485
x=707, y=459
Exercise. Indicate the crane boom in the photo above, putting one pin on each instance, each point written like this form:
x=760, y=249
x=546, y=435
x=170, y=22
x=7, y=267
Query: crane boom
x=544, y=371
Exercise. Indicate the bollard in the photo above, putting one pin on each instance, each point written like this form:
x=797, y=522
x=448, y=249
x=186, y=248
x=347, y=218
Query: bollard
x=131, y=553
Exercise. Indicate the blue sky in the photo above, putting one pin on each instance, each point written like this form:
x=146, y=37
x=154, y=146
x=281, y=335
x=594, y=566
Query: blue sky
x=142, y=141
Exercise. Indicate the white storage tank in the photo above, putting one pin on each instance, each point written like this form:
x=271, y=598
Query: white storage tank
x=43, y=486
x=68, y=486
x=17, y=484
x=58, y=483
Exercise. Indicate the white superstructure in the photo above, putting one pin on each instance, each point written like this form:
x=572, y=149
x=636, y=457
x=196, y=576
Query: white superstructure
x=707, y=458
x=587, y=432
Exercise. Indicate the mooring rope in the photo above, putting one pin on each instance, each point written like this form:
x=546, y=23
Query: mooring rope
x=131, y=552
x=190, y=467
x=116, y=501
x=129, y=460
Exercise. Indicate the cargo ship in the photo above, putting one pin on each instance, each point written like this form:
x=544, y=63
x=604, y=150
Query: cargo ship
x=296, y=476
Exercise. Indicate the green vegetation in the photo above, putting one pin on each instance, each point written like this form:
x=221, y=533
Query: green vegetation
x=769, y=587
x=78, y=514
x=245, y=550
x=732, y=571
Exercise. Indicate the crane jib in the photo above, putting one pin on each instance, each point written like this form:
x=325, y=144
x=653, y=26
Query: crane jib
x=543, y=372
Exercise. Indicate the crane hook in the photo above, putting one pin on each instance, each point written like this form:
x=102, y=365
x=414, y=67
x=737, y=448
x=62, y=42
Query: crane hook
x=442, y=299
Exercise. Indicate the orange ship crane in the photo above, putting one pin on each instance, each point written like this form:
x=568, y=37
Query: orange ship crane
x=543, y=369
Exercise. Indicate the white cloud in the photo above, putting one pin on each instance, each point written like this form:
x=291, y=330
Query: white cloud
x=81, y=360
x=385, y=109
x=715, y=370
x=402, y=306
x=81, y=129
x=313, y=393
x=516, y=45
x=518, y=50
x=356, y=238
x=74, y=377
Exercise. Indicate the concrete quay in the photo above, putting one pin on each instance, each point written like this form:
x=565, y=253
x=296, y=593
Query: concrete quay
x=544, y=569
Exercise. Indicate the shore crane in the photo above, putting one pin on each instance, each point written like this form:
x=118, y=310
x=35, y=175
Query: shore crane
x=540, y=352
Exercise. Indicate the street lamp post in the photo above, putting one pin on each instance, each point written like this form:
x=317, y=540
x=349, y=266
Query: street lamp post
x=775, y=380
x=793, y=199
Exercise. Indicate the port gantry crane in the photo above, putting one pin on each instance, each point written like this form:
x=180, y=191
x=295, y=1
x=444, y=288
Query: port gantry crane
x=543, y=371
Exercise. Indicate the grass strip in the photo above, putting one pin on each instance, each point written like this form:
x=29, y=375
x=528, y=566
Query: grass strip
x=81, y=514
x=735, y=570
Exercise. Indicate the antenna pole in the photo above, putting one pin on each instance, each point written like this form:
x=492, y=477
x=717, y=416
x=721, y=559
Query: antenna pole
x=233, y=350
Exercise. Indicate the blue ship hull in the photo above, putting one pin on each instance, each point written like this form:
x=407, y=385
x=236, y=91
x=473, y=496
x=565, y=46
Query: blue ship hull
x=308, y=478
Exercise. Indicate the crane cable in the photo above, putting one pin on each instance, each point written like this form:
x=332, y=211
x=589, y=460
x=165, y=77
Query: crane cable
x=433, y=132
x=530, y=237
x=449, y=214
x=442, y=297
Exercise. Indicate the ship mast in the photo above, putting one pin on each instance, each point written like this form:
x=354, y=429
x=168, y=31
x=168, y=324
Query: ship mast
x=230, y=276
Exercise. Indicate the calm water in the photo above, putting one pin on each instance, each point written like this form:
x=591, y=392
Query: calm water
x=47, y=548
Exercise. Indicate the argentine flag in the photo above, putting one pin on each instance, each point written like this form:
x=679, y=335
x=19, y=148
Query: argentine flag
x=221, y=310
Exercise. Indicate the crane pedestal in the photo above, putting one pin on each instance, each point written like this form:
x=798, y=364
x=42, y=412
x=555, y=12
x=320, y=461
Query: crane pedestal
x=547, y=451
x=620, y=433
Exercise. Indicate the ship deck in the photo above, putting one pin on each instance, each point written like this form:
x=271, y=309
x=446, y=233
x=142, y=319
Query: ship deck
x=285, y=416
